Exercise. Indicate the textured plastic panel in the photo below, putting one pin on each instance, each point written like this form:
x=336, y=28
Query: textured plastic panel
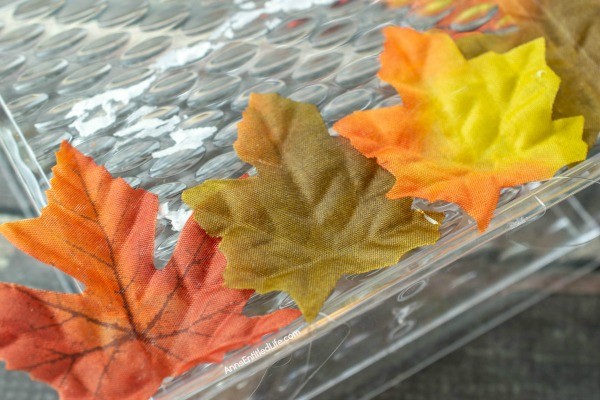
x=132, y=82
x=123, y=79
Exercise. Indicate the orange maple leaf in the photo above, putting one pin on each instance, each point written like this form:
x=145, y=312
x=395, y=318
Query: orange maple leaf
x=133, y=325
x=467, y=128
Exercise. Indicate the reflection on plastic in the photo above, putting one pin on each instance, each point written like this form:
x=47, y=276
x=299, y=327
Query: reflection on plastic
x=570, y=223
x=311, y=372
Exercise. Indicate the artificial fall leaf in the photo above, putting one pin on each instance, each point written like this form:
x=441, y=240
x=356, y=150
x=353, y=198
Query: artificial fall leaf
x=466, y=128
x=133, y=325
x=316, y=210
x=572, y=33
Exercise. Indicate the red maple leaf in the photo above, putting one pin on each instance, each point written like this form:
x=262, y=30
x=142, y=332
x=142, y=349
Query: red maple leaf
x=133, y=325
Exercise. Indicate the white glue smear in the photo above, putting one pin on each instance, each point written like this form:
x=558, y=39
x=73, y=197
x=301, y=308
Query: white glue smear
x=177, y=218
x=139, y=113
x=182, y=56
x=150, y=127
x=273, y=6
x=250, y=13
x=273, y=23
x=100, y=111
x=186, y=139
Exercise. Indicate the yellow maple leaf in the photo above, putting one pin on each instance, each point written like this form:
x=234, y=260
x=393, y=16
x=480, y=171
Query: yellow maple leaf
x=466, y=129
x=573, y=40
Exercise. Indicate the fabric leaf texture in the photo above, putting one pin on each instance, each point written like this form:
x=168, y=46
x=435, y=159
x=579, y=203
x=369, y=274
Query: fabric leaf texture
x=315, y=211
x=572, y=32
x=133, y=325
x=466, y=129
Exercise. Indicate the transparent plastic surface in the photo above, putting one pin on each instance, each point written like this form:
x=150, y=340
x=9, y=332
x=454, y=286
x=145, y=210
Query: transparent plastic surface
x=122, y=79
x=391, y=323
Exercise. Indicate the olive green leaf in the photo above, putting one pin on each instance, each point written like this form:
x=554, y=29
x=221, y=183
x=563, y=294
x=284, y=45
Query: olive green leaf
x=316, y=210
